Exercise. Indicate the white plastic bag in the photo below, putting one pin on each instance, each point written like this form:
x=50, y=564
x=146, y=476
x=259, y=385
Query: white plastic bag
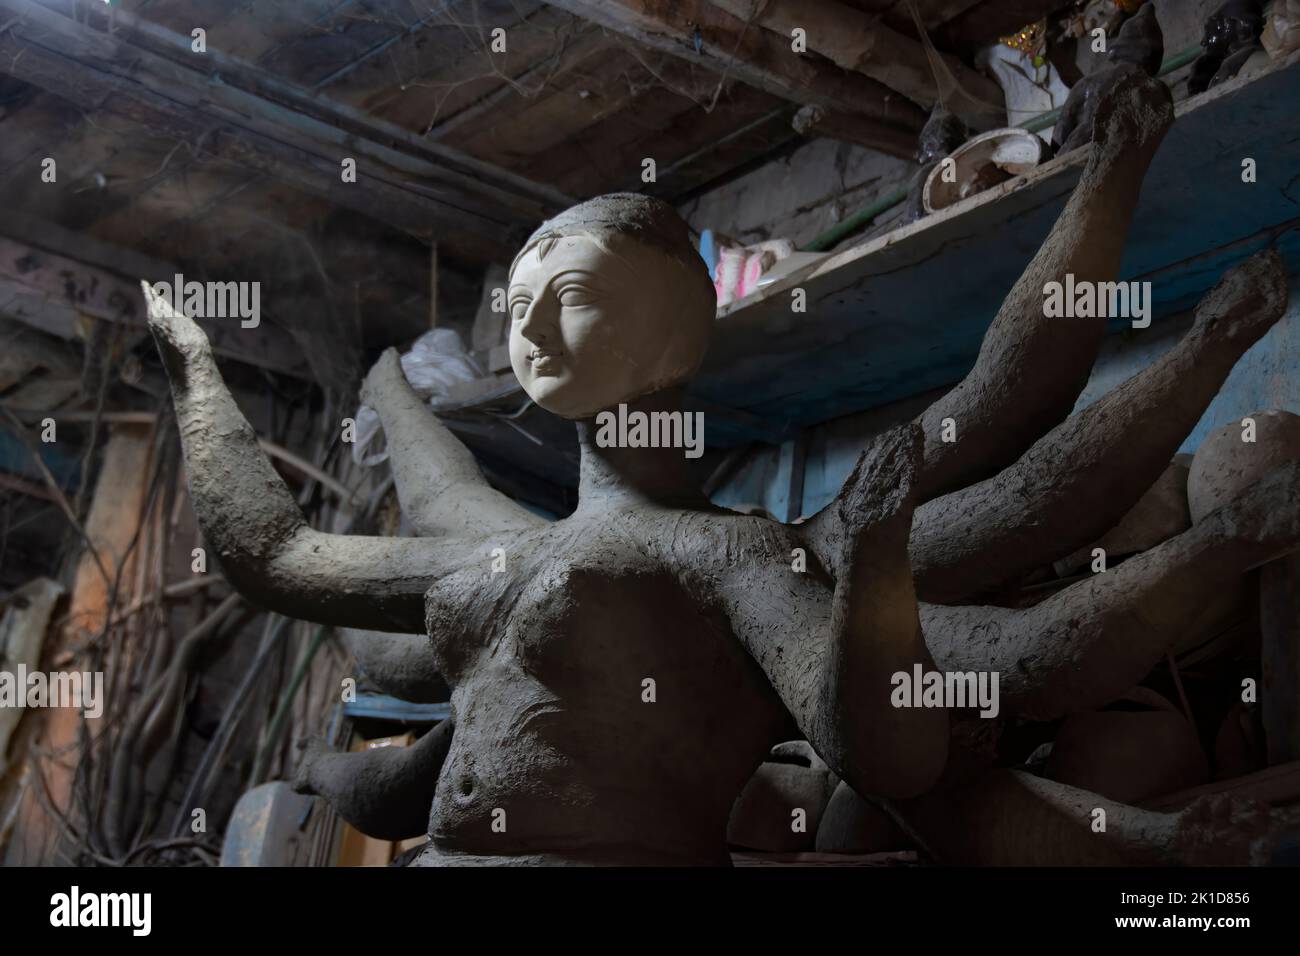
x=437, y=360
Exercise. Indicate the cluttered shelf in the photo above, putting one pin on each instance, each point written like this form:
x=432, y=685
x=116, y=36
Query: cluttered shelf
x=905, y=312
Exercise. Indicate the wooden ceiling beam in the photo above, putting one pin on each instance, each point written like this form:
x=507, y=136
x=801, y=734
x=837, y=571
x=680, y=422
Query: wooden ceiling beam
x=703, y=34
x=815, y=121
x=241, y=114
x=51, y=276
x=856, y=41
x=586, y=43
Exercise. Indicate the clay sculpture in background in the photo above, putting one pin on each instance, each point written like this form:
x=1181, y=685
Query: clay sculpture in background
x=1139, y=46
x=1231, y=38
x=618, y=675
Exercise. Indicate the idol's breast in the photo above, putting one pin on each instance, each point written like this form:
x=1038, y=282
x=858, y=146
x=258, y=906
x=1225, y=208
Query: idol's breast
x=608, y=709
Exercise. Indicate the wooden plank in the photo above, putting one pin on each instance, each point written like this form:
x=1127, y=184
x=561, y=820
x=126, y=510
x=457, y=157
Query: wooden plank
x=265, y=123
x=590, y=132
x=574, y=101
x=65, y=288
x=188, y=189
x=370, y=195
x=347, y=71
x=50, y=128
x=905, y=312
x=855, y=41
x=26, y=350
x=383, y=707
x=111, y=526
x=849, y=128
x=655, y=124
x=449, y=63
x=81, y=246
x=707, y=36
x=341, y=36
x=246, y=30
x=32, y=126
x=316, y=25
x=97, y=176
x=85, y=288
x=571, y=52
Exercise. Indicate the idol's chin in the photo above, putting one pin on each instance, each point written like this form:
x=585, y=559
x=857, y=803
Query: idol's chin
x=553, y=392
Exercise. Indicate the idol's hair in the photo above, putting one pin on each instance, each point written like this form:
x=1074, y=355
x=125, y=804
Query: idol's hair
x=607, y=219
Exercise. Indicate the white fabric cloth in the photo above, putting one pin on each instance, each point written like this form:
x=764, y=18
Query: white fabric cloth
x=1030, y=90
x=437, y=360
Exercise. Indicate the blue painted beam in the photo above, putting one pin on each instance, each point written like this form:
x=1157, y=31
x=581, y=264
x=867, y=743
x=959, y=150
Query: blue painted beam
x=383, y=707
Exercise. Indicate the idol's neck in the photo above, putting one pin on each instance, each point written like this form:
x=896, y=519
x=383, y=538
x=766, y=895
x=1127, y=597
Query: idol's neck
x=614, y=474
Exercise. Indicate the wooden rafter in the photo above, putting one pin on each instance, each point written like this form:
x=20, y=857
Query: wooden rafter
x=587, y=42
x=846, y=127
x=706, y=35
x=51, y=276
x=856, y=41
x=244, y=115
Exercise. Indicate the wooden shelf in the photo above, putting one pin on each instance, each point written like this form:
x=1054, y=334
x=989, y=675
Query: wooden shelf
x=906, y=312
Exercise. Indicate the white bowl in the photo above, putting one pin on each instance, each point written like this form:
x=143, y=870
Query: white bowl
x=1014, y=151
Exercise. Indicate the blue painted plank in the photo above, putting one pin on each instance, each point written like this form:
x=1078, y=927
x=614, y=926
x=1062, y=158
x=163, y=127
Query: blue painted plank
x=383, y=707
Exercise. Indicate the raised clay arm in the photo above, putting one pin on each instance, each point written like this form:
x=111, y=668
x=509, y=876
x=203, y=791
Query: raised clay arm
x=1080, y=478
x=1084, y=646
x=832, y=663
x=438, y=482
x=253, y=523
x=1031, y=368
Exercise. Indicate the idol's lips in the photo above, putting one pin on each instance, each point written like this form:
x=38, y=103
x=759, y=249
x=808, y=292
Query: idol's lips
x=543, y=359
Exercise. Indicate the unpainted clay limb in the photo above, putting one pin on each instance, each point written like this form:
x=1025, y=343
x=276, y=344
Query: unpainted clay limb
x=1087, y=644
x=831, y=663
x=438, y=482
x=400, y=664
x=1031, y=368
x=254, y=525
x=385, y=793
x=1010, y=818
x=1077, y=481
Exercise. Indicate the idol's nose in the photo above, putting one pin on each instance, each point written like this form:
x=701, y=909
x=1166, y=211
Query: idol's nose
x=538, y=324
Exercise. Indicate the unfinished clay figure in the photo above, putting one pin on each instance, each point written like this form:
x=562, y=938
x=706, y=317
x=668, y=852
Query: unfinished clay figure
x=1139, y=46
x=1231, y=37
x=618, y=675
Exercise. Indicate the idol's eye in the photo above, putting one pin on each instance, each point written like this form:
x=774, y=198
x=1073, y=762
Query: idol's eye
x=519, y=308
x=574, y=296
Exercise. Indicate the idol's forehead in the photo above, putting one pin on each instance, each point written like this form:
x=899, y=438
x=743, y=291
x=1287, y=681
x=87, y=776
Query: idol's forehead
x=610, y=257
x=564, y=253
